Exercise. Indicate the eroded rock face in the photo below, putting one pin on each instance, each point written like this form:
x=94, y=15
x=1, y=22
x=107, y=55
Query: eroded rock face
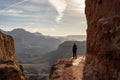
x=103, y=40
x=67, y=69
x=9, y=67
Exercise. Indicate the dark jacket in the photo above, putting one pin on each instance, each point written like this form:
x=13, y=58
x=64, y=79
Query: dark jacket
x=74, y=48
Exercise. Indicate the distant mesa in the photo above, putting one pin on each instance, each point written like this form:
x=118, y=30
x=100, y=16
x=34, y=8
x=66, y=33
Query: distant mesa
x=34, y=48
x=65, y=50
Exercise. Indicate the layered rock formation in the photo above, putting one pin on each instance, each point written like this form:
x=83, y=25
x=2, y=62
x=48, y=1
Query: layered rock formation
x=103, y=40
x=67, y=69
x=9, y=67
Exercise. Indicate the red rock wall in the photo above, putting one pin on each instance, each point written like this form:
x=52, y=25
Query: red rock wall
x=9, y=67
x=103, y=40
x=7, y=50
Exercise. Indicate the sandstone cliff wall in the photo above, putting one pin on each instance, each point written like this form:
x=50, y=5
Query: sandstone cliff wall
x=103, y=40
x=67, y=69
x=9, y=67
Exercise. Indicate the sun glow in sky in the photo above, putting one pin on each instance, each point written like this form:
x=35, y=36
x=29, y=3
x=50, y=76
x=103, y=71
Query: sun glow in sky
x=50, y=17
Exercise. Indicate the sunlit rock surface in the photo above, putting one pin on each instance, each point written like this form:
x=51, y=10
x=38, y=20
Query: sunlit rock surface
x=67, y=69
x=103, y=40
x=9, y=67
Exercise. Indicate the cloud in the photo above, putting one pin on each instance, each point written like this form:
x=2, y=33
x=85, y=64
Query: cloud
x=28, y=5
x=18, y=3
x=60, y=6
x=76, y=5
x=34, y=10
x=10, y=12
x=7, y=28
x=41, y=9
x=38, y=1
x=70, y=5
x=16, y=13
x=53, y=29
x=13, y=11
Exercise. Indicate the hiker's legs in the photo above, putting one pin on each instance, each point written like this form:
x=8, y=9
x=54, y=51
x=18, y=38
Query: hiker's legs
x=75, y=56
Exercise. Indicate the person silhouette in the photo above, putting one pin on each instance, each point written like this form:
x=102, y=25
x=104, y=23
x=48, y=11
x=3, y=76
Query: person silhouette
x=74, y=51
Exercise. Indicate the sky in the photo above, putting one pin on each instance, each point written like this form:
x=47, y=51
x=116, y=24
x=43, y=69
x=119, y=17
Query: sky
x=49, y=17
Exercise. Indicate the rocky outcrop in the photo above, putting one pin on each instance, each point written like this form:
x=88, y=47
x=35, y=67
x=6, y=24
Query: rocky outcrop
x=67, y=69
x=103, y=40
x=9, y=67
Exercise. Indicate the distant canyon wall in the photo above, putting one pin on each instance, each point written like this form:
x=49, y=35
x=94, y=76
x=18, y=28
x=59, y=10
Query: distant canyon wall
x=9, y=67
x=103, y=40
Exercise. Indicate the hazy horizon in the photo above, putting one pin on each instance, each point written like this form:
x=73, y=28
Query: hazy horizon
x=49, y=17
x=43, y=33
